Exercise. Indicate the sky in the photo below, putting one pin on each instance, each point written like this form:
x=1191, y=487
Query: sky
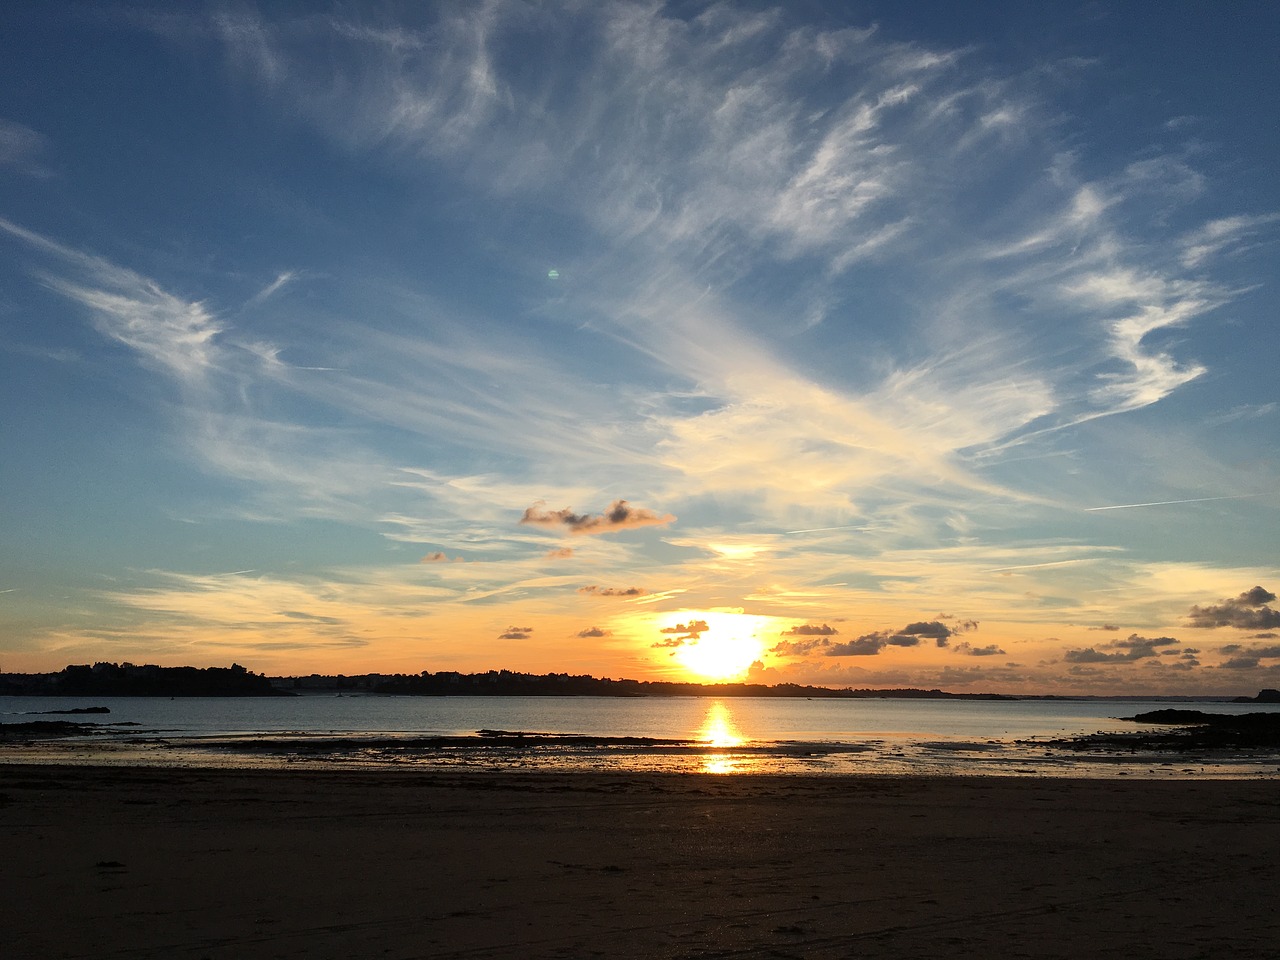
x=867, y=344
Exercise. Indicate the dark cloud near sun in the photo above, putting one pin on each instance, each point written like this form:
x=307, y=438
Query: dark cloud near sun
x=681, y=634
x=1249, y=611
x=868, y=645
x=670, y=643
x=798, y=648
x=592, y=632
x=815, y=638
x=693, y=629
x=619, y=515
x=810, y=630
x=865, y=646
x=597, y=591
x=1121, y=651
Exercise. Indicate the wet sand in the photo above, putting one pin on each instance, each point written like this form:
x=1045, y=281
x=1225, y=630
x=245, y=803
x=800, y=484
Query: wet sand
x=125, y=862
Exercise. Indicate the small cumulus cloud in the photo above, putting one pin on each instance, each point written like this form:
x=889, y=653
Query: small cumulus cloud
x=597, y=591
x=516, y=633
x=592, y=633
x=619, y=515
x=1249, y=611
x=938, y=631
x=1108, y=627
x=991, y=650
x=440, y=557
x=670, y=643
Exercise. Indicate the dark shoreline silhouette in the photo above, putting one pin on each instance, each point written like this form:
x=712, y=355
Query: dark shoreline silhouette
x=128, y=680
x=506, y=683
x=149, y=680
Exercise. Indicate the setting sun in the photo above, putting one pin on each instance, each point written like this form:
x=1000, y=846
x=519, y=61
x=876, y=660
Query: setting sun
x=714, y=645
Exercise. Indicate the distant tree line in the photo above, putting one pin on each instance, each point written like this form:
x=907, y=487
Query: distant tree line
x=148, y=680
x=506, y=683
x=129, y=680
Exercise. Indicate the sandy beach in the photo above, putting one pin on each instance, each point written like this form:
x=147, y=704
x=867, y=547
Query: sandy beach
x=129, y=863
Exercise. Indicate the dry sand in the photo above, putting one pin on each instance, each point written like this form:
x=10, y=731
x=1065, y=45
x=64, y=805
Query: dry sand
x=126, y=863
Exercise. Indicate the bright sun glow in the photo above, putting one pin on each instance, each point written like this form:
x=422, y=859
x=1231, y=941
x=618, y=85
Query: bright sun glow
x=713, y=645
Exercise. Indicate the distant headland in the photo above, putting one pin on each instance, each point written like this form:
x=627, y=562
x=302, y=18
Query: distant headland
x=130, y=680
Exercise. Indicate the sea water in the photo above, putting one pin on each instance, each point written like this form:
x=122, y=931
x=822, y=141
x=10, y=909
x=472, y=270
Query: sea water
x=726, y=734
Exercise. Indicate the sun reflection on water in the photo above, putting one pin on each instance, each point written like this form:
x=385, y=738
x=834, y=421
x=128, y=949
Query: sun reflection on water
x=719, y=730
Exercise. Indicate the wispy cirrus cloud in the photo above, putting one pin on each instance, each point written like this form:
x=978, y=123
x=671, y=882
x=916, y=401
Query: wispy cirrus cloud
x=701, y=168
x=23, y=149
x=176, y=335
x=281, y=281
x=1224, y=236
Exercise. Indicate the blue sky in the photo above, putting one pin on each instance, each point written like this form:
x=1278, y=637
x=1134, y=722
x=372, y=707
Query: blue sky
x=875, y=344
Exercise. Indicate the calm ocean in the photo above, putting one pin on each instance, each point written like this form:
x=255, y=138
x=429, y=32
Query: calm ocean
x=733, y=734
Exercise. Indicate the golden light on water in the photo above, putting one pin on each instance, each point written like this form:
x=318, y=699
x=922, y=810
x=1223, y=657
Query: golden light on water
x=719, y=730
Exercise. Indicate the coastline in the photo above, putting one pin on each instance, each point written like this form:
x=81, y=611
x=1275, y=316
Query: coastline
x=126, y=862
